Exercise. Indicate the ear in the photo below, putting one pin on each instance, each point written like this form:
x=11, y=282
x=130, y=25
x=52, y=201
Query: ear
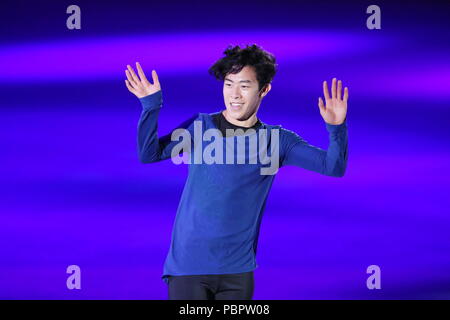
x=266, y=90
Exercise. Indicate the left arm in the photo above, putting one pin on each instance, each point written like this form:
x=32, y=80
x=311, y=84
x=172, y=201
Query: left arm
x=330, y=162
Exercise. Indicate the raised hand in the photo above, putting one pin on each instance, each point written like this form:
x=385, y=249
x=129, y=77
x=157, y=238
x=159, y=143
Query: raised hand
x=140, y=86
x=335, y=109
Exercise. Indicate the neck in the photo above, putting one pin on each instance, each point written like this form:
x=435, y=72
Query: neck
x=250, y=122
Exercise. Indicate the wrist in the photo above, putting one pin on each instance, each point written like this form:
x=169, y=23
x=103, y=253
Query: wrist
x=152, y=101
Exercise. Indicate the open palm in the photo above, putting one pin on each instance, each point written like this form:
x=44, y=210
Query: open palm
x=335, y=109
x=140, y=86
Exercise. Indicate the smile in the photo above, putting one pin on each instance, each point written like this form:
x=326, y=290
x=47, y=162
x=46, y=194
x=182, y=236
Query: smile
x=236, y=105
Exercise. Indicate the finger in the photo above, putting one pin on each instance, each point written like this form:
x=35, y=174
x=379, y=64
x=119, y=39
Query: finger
x=131, y=80
x=321, y=105
x=339, y=90
x=133, y=74
x=345, y=94
x=141, y=72
x=333, y=89
x=325, y=91
x=155, y=77
x=130, y=88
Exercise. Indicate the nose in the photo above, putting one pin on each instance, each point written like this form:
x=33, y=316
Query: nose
x=236, y=93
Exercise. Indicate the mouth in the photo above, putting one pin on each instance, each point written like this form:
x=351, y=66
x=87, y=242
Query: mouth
x=236, y=106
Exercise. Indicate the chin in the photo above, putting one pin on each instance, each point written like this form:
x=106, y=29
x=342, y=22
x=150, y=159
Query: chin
x=236, y=114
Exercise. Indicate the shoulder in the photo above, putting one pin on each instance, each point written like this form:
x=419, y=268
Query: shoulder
x=283, y=133
x=202, y=116
x=287, y=138
x=209, y=120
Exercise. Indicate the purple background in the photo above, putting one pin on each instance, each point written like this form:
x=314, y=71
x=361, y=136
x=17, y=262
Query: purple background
x=74, y=192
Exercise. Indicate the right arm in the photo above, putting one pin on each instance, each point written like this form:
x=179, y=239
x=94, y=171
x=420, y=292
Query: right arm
x=151, y=148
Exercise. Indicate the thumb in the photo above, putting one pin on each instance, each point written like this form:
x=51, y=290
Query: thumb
x=155, y=77
x=321, y=105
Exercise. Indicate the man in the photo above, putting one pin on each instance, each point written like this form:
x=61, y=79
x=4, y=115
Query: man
x=213, y=248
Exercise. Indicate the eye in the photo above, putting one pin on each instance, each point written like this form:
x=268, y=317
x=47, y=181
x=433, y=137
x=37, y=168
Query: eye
x=227, y=84
x=245, y=87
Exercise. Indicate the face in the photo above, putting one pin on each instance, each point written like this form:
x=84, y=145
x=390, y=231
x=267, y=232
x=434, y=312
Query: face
x=241, y=95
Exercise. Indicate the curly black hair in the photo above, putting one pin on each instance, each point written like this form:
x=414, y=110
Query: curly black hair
x=253, y=55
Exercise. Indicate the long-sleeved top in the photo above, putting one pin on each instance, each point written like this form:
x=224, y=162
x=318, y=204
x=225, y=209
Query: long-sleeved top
x=218, y=219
